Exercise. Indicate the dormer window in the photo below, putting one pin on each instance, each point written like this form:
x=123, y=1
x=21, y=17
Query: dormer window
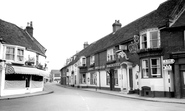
x=92, y=59
x=111, y=54
x=150, y=39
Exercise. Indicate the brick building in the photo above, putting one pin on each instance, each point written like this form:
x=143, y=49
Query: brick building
x=144, y=57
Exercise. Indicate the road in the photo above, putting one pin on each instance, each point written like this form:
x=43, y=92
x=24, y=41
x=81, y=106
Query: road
x=67, y=99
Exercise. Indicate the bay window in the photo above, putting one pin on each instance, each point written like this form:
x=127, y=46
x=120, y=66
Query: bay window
x=145, y=68
x=14, y=54
x=155, y=67
x=20, y=54
x=150, y=39
x=10, y=53
x=151, y=68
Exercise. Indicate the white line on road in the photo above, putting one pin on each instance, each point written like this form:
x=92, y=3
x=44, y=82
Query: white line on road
x=85, y=103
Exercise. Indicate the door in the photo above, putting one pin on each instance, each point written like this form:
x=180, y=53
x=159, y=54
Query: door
x=131, y=79
x=27, y=77
x=183, y=84
x=112, y=81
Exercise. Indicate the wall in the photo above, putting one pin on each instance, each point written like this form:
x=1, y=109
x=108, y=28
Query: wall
x=172, y=40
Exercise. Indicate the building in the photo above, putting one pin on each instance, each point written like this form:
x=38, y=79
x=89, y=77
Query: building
x=22, y=60
x=55, y=75
x=145, y=57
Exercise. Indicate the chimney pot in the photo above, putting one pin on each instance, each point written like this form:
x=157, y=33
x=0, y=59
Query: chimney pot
x=116, y=26
x=29, y=28
x=85, y=44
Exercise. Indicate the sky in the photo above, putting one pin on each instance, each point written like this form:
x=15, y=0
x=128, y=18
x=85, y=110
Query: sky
x=62, y=26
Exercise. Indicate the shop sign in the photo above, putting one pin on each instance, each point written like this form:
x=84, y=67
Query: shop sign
x=100, y=67
x=168, y=61
x=167, y=67
x=123, y=55
x=113, y=65
x=90, y=69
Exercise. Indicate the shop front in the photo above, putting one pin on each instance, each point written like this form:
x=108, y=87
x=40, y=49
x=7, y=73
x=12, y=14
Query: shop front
x=179, y=74
x=21, y=80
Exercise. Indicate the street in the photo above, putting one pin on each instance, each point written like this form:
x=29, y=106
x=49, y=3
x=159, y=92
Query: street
x=69, y=99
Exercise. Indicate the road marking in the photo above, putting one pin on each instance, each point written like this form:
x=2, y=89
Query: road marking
x=85, y=103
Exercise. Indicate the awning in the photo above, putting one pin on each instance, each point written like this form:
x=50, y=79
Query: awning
x=25, y=70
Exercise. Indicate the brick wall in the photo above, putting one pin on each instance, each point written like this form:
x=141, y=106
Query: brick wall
x=172, y=40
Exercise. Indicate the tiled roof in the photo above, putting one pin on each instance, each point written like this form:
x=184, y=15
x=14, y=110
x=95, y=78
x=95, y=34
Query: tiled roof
x=155, y=19
x=12, y=34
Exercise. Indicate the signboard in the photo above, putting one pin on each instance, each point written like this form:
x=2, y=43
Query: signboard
x=167, y=67
x=168, y=61
x=100, y=67
x=113, y=65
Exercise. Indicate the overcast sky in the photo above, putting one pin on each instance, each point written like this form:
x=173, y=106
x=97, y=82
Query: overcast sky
x=62, y=26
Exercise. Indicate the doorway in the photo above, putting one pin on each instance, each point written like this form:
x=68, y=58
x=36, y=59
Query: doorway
x=183, y=83
x=27, y=77
x=112, y=80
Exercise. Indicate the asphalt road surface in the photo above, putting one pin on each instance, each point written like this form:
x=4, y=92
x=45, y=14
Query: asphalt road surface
x=67, y=99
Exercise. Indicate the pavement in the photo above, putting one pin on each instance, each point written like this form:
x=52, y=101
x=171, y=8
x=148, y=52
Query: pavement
x=115, y=93
x=132, y=96
x=44, y=92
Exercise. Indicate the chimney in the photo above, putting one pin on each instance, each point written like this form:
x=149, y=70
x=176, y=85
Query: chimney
x=85, y=44
x=116, y=26
x=29, y=28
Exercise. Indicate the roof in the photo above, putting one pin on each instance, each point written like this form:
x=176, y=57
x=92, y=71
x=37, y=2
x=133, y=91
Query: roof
x=55, y=71
x=13, y=35
x=155, y=19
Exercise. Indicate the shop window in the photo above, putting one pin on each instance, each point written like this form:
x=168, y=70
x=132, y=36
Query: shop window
x=93, y=80
x=116, y=77
x=107, y=79
x=37, y=78
x=14, y=77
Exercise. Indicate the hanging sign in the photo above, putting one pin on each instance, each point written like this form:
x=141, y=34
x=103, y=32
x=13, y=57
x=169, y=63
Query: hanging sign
x=168, y=61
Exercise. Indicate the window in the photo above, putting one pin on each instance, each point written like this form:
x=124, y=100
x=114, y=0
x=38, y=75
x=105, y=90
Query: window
x=144, y=41
x=155, y=67
x=83, y=79
x=10, y=51
x=145, y=68
x=150, y=39
x=151, y=68
x=107, y=79
x=116, y=77
x=93, y=78
x=20, y=54
x=111, y=54
x=83, y=61
x=154, y=39
x=92, y=60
